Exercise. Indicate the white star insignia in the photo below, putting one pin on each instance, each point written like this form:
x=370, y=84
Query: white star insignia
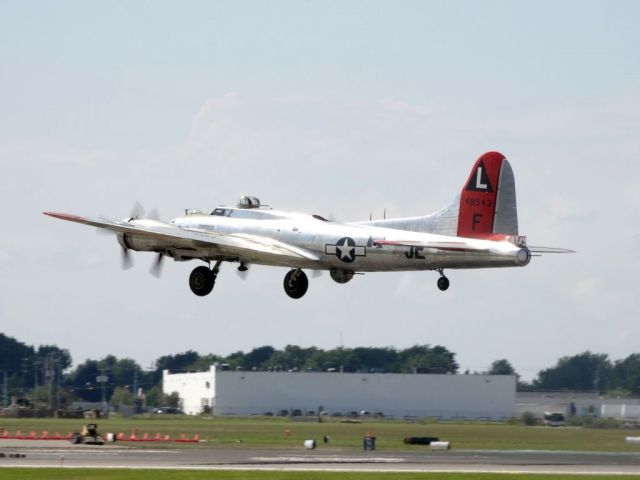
x=345, y=249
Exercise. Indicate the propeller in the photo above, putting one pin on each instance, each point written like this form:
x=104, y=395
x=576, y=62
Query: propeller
x=103, y=231
x=153, y=214
x=127, y=262
x=156, y=268
x=137, y=211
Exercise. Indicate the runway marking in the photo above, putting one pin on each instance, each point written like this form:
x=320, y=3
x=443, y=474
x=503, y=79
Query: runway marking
x=96, y=451
x=330, y=459
x=357, y=469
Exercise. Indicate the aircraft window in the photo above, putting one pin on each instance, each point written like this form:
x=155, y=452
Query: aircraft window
x=220, y=212
x=318, y=217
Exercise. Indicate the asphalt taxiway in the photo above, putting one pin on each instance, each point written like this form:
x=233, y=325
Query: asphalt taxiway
x=62, y=454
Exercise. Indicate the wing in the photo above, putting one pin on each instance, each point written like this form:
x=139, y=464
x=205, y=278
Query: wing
x=449, y=246
x=169, y=237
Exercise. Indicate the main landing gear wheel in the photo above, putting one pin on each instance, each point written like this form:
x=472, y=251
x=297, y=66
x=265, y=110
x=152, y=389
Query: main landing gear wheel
x=443, y=282
x=296, y=283
x=202, y=280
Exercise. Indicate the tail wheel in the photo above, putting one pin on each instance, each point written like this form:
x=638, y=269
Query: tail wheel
x=201, y=281
x=296, y=283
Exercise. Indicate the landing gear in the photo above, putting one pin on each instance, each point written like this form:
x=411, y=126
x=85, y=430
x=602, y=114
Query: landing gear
x=443, y=282
x=296, y=283
x=202, y=280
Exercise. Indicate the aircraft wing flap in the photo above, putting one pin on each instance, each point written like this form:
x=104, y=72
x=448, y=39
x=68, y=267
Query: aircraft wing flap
x=228, y=244
x=437, y=245
x=270, y=242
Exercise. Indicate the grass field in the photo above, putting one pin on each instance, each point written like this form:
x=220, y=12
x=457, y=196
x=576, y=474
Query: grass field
x=111, y=474
x=267, y=432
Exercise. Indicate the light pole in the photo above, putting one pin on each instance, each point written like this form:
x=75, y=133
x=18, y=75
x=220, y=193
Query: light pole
x=102, y=379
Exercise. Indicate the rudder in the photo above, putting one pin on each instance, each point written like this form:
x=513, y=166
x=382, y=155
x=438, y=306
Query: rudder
x=488, y=199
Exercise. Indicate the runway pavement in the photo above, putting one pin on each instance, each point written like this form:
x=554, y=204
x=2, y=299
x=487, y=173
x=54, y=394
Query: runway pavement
x=63, y=454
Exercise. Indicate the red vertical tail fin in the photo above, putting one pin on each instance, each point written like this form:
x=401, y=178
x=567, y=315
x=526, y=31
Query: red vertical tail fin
x=488, y=199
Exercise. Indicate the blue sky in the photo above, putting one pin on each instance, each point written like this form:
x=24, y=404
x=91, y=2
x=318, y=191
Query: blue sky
x=329, y=107
x=127, y=64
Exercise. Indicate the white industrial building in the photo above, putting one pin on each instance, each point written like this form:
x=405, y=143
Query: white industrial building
x=396, y=395
x=577, y=403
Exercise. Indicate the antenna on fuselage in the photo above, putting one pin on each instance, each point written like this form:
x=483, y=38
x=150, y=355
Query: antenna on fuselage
x=384, y=213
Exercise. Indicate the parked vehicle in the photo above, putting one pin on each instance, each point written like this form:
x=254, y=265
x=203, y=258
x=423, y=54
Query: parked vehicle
x=554, y=419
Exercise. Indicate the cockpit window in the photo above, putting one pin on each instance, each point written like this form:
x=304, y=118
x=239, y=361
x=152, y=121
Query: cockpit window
x=318, y=217
x=220, y=212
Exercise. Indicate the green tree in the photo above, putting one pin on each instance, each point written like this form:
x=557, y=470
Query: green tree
x=338, y=358
x=82, y=380
x=379, y=359
x=586, y=371
x=205, y=361
x=626, y=374
x=40, y=397
x=153, y=396
x=170, y=400
x=501, y=367
x=13, y=355
x=257, y=358
x=61, y=357
x=124, y=373
x=180, y=361
x=426, y=359
x=292, y=357
x=121, y=396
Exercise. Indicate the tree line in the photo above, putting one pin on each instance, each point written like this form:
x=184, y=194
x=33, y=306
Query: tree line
x=43, y=372
x=585, y=371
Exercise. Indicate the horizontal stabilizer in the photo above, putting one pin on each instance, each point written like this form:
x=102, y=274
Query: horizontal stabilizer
x=542, y=250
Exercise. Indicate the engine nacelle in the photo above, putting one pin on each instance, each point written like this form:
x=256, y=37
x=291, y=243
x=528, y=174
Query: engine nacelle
x=340, y=276
x=138, y=243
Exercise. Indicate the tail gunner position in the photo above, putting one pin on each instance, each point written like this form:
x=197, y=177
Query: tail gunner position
x=479, y=229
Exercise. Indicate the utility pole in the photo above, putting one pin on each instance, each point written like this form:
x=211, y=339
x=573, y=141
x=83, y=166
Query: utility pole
x=5, y=391
x=36, y=363
x=25, y=371
x=58, y=381
x=135, y=383
x=48, y=373
x=102, y=379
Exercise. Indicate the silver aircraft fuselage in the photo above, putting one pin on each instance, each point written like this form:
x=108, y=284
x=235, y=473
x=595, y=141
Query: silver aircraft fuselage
x=347, y=246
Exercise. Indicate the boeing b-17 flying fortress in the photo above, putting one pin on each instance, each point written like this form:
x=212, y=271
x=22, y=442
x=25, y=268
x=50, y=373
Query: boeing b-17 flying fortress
x=479, y=229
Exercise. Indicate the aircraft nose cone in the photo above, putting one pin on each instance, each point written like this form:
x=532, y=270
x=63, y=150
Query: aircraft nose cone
x=524, y=256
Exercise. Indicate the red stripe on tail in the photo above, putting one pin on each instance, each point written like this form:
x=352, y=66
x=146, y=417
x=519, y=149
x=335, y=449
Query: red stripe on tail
x=478, y=198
